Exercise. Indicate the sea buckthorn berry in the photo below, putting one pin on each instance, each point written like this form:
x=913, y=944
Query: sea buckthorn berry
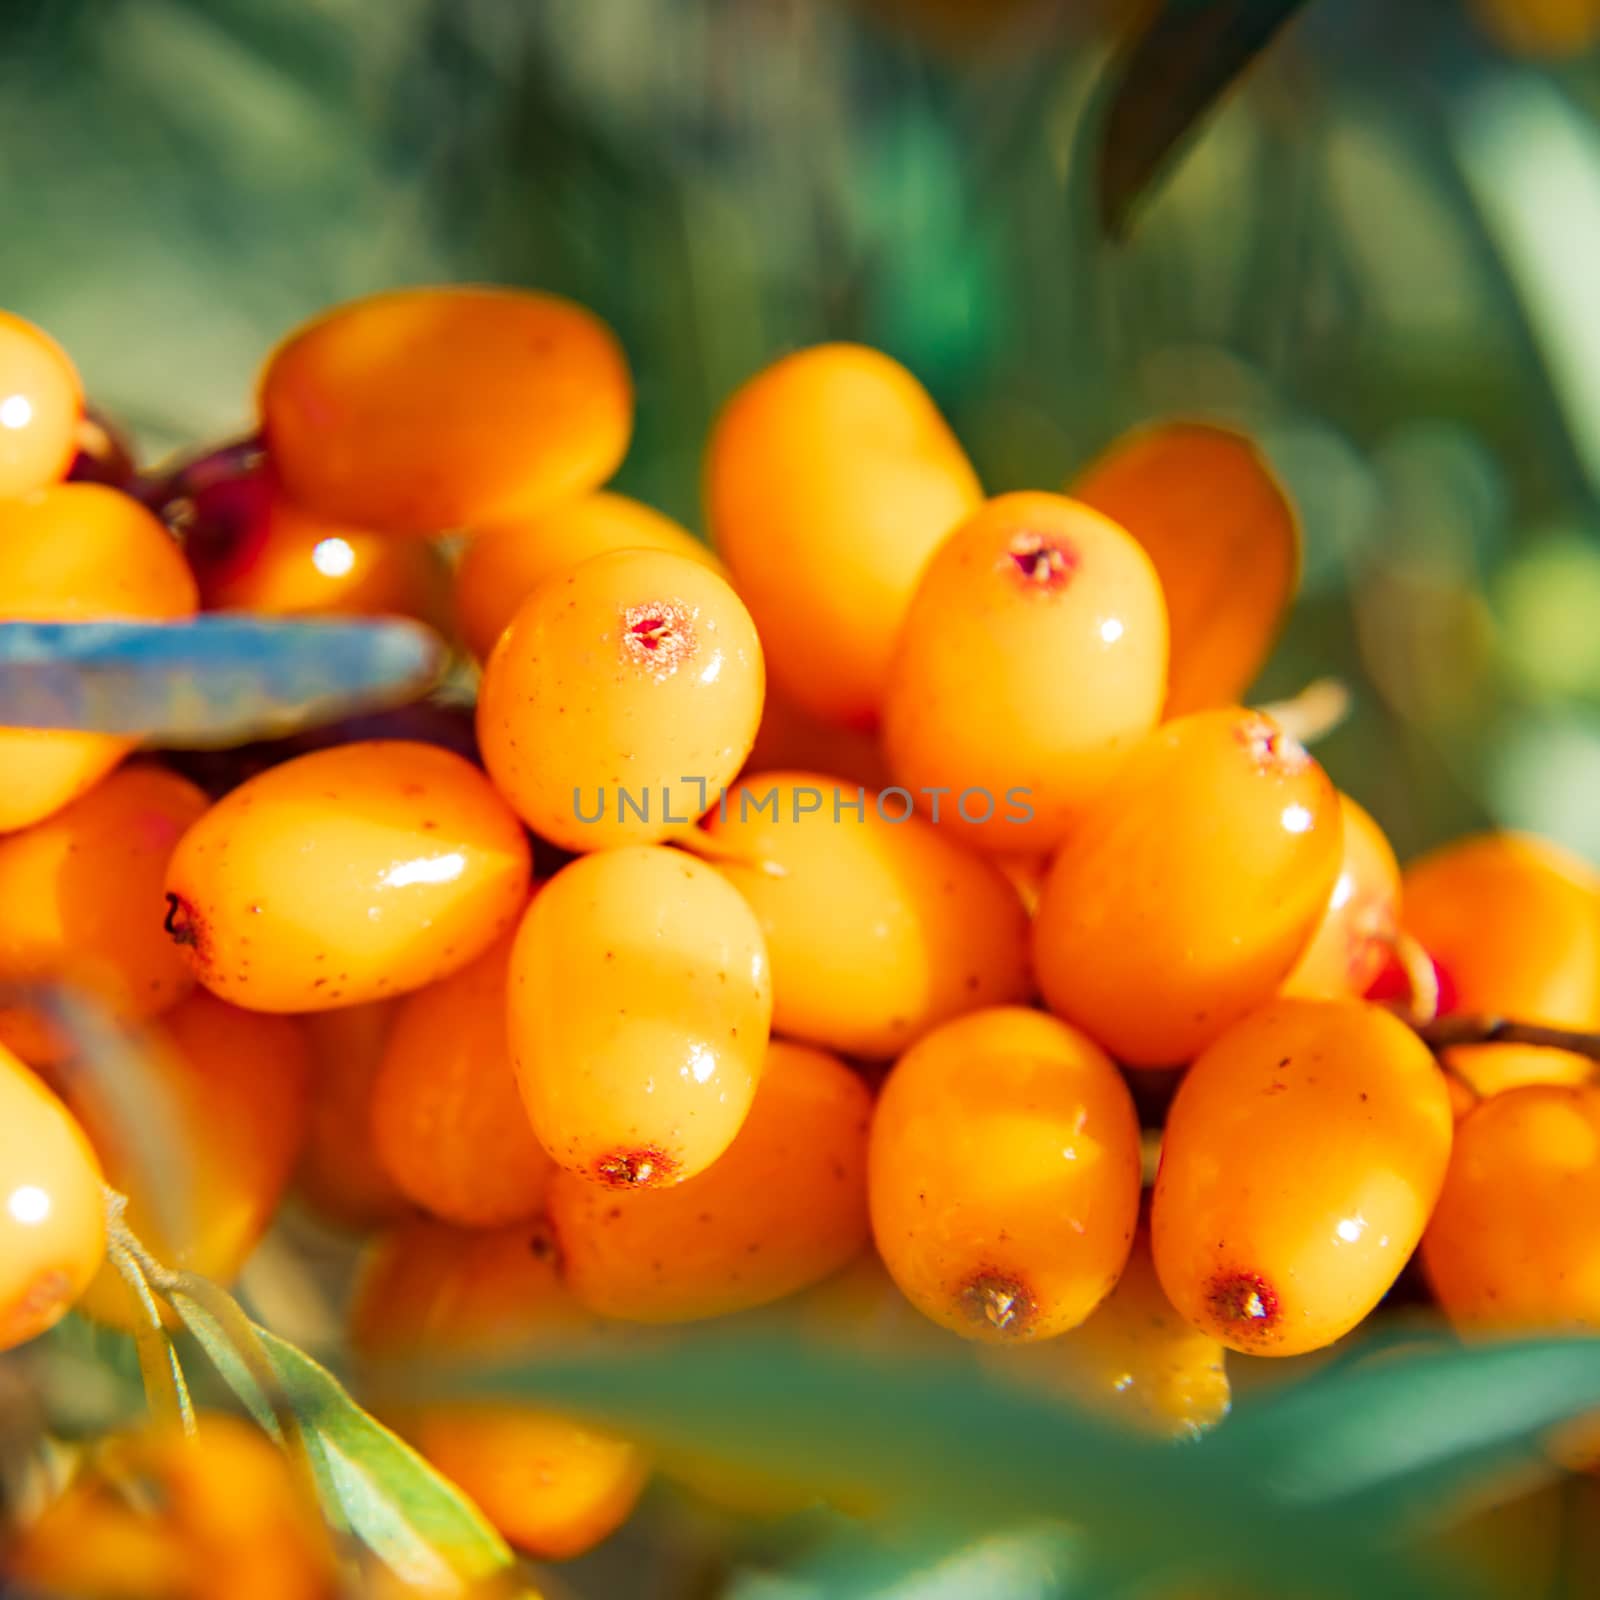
x=624, y=694
x=1358, y=928
x=553, y=1487
x=503, y=565
x=1514, y=1242
x=830, y=480
x=792, y=740
x=1513, y=924
x=153, y=1512
x=1033, y=657
x=346, y=875
x=640, y=1002
x=52, y=1210
x=84, y=904
x=1186, y=892
x=41, y=402
x=783, y=1206
x=449, y=1123
x=1004, y=1175
x=341, y=1177
x=231, y=1091
x=251, y=548
x=1224, y=538
x=1135, y=1359
x=877, y=925
x=424, y=410
x=1302, y=1156
x=77, y=553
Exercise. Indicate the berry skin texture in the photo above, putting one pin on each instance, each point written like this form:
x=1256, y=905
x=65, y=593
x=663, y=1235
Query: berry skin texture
x=84, y=904
x=253, y=549
x=219, y=1516
x=624, y=694
x=1514, y=1243
x=222, y=1118
x=77, y=552
x=1033, y=656
x=782, y=1207
x=792, y=740
x=340, y=1175
x=877, y=930
x=41, y=402
x=1513, y=924
x=1135, y=1360
x=425, y=410
x=1302, y=1156
x=1224, y=538
x=448, y=1122
x=639, y=1007
x=1004, y=1175
x=503, y=565
x=553, y=1487
x=346, y=875
x=1357, y=931
x=52, y=1212
x=1186, y=893
x=830, y=480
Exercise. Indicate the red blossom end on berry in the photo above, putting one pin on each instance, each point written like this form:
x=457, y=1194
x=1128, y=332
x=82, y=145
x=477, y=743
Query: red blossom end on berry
x=635, y=1169
x=1039, y=564
x=658, y=637
x=999, y=1302
x=1245, y=1306
x=1272, y=750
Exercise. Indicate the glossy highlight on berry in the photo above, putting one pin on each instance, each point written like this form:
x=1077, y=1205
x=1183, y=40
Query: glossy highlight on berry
x=41, y=402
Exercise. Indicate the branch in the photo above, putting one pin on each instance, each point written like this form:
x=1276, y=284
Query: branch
x=1446, y=1033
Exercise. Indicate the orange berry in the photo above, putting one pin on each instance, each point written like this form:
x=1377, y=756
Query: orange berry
x=552, y=1486
x=1513, y=923
x=792, y=740
x=224, y=1118
x=830, y=480
x=1356, y=934
x=1188, y=889
x=84, y=904
x=77, y=553
x=783, y=1206
x=624, y=694
x=340, y=1175
x=1206, y=507
x=251, y=548
x=1302, y=1156
x=640, y=1004
x=503, y=565
x=1514, y=1242
x=1135, y=1359
x=1004, y=1174
x=448, y=1121
x=346, y=875
x=41, y=402
x=423, y=410
x=219, y=1516
x=1032, y=658
x=52, y=1210
x=878, y=927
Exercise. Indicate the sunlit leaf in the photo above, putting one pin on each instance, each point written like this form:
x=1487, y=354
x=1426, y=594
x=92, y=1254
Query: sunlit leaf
x=1164, y=82
x=1224, y=538
x=369, y=1479
x=938, y=1438
x=214, y=680
x=1410, y=1431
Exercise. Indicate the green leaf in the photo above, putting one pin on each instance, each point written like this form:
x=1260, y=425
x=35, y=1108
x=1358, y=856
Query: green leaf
x=211, y=680
x=369, y=1480
x=1407, y=1432
x=938, y=1439
x=1163, y=84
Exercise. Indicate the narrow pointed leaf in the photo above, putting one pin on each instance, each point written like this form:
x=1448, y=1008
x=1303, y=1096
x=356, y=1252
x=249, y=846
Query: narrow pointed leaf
x=1225, y=541
x=1165, y=82
x=210, y=681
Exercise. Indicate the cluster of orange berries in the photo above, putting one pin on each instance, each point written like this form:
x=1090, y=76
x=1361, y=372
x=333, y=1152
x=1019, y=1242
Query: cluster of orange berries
x=861, y=976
